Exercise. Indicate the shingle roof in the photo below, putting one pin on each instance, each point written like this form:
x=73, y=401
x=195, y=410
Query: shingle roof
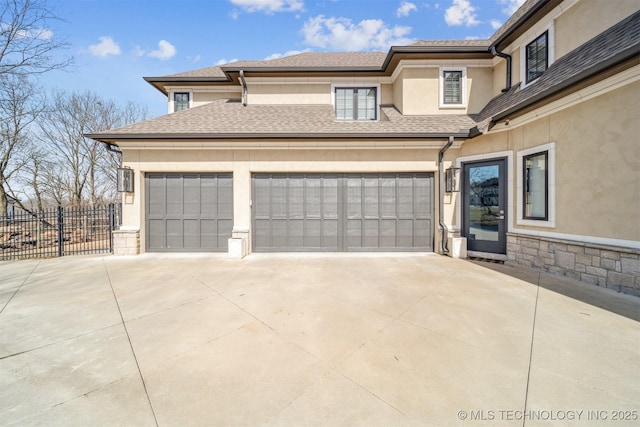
x=230, y=119
x=618, y=43
x=305, y=61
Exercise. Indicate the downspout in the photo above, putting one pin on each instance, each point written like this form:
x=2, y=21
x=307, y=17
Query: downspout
x=443, y=228
x=243, y=83
x=496, y=52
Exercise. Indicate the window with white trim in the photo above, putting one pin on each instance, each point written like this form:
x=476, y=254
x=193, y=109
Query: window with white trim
x=356, y=103
x=180, y=101
x=453, y=87
x=537, y=55
x=535, y=197
x=536, y=186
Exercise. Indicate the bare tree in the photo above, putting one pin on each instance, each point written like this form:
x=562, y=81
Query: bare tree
x=27, y=45
x=88, y=165
x=20, y=106
x=27, y=48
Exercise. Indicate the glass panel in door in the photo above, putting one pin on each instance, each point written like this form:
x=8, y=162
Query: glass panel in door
x=485, y=205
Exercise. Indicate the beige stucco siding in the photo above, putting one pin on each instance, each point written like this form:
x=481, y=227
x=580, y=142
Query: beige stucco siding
x=479, y=85
x=398, y=91
x=420, y=91
x=588, y=18
x=597, y=163
x=289, y=93
x=201, y=98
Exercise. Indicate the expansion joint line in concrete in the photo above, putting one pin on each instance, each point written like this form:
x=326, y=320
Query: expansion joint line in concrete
x=533, y=333
x=135, y=358
x=19, y=287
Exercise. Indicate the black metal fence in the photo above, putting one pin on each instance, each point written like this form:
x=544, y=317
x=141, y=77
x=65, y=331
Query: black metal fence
x=58, y=231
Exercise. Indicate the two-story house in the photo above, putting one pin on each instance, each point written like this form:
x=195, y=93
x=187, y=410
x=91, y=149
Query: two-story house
x=523, y=147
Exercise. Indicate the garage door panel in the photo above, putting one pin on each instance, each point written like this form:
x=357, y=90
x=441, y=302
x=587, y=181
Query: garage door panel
x=174, y=233
x=406, y=232
x=157, y=233
x=188, y=212
x=422, y=234
x=209, y=232
x=342, y=211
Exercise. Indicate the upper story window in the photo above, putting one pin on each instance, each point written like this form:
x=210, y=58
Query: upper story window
x=453, y=87
x=356, y=103
x=180, y=101
x=537, y=53
x=537, y=57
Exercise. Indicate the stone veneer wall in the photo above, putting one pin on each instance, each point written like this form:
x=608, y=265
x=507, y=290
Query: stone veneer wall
x=607, y=266
x=126, y=242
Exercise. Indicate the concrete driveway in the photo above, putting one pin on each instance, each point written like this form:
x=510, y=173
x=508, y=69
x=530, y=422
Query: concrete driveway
x=371, y=340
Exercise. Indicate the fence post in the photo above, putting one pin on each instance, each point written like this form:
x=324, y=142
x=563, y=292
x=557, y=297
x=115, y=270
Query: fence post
x=60, y=231
x=112, y=223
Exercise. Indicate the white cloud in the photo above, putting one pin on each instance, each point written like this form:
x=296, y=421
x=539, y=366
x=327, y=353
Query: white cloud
x=461, y=12
x=406, y=8
x=343, y=35
x=224, y=61
x=472, y=38
x=165, y=51
x=495, y=24
x=288, y=53
x=105, y=48
x=269, y=6
x=511, y=6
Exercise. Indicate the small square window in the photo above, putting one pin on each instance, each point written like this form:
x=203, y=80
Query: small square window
x=180, y=101
x=356, y=103
x=536, y=186
x=537, y=57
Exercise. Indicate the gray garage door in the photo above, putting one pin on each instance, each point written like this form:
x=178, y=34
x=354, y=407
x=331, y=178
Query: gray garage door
x=343, y=212
x=188, y=212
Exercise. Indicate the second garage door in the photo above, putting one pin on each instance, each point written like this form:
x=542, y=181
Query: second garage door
x=343, y=212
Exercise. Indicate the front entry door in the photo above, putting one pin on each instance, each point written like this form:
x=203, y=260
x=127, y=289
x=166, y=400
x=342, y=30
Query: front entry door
x=484, y=206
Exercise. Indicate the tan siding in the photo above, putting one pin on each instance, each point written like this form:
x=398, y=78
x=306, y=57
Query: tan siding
x=398, y=92
x=420, y=91
x=587, y=19
x=201, y=98
x=479, y=82
x=289, y=93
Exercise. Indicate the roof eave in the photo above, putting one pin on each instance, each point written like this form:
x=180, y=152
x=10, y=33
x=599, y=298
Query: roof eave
x=539, y=9
x=453, y=50
x=160, y=82
x=113, y=138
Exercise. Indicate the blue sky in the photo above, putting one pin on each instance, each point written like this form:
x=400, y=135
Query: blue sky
x=115, y=43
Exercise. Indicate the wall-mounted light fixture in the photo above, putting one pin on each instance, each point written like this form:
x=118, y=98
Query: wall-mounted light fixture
x=125, y=180
x=452, y=180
